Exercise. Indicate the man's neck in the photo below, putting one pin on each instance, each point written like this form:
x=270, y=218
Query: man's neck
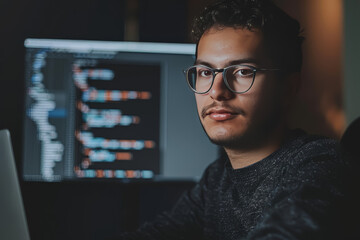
x=240, y=158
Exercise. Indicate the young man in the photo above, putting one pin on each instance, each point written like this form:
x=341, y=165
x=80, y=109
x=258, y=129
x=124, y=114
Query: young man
x=272, y=183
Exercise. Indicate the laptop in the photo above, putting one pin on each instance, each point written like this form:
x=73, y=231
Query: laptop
x=13, y=225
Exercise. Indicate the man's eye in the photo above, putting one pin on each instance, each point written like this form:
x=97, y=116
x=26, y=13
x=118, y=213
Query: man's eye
x=244, y=72
x=204, y=73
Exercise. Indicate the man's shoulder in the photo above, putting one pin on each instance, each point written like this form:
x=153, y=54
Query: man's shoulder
x=307, y=146
x=312, y=155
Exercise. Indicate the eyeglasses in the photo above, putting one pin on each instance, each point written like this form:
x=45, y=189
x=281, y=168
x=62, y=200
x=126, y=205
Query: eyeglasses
x=237, y=78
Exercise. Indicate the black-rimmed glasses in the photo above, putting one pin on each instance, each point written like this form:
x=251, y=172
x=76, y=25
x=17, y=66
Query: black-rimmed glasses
x=238, y=78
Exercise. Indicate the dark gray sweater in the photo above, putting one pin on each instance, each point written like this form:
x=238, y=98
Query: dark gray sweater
x=292, y=194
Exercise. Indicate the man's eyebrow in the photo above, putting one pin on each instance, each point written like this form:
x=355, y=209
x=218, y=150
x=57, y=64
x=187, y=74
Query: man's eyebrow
x=233, y=62
x=200, y=62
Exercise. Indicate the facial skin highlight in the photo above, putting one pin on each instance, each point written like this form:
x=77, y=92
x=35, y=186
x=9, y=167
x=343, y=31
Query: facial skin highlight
x=238, y=121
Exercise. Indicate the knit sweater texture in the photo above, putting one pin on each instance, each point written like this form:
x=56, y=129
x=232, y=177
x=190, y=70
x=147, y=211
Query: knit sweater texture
x=294, y=193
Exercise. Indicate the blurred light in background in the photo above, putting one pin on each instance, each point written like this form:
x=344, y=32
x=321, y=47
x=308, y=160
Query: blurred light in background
x=320, y=106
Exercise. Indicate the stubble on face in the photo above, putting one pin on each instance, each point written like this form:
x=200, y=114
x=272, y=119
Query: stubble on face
x=242, y=132
x=225, y=134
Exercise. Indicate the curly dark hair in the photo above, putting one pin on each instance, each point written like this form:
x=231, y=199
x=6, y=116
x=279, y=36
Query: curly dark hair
x=282, y=34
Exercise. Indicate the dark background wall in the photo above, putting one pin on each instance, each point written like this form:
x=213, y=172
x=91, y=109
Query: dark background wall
x=95, y=210
x=351, y=59
x=91, y=210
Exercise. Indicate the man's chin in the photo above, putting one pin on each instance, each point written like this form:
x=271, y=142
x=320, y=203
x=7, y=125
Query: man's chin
x=230, y=138
x=227, y=142
x=241, y=141
x=224, y=137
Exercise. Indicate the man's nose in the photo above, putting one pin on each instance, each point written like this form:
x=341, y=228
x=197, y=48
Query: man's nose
x=219, y=91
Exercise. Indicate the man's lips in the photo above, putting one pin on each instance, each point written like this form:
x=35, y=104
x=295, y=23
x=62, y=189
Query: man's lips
x=221, y=115
x=220, y=112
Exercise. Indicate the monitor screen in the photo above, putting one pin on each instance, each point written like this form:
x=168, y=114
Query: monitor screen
x=119, y=110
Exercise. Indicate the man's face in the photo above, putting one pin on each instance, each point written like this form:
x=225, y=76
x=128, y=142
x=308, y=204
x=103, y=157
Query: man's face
x=237, y=120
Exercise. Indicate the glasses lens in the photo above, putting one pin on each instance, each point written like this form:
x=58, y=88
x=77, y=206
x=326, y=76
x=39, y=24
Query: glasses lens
x=200, y=78
x=239, y=78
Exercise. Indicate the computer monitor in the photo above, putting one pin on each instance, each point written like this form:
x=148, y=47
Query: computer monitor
x=119, y=110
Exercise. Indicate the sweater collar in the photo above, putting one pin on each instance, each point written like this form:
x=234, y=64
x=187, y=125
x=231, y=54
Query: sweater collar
x=260, y=169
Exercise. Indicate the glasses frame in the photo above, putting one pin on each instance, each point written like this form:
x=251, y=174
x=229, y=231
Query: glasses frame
x=215, y=71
